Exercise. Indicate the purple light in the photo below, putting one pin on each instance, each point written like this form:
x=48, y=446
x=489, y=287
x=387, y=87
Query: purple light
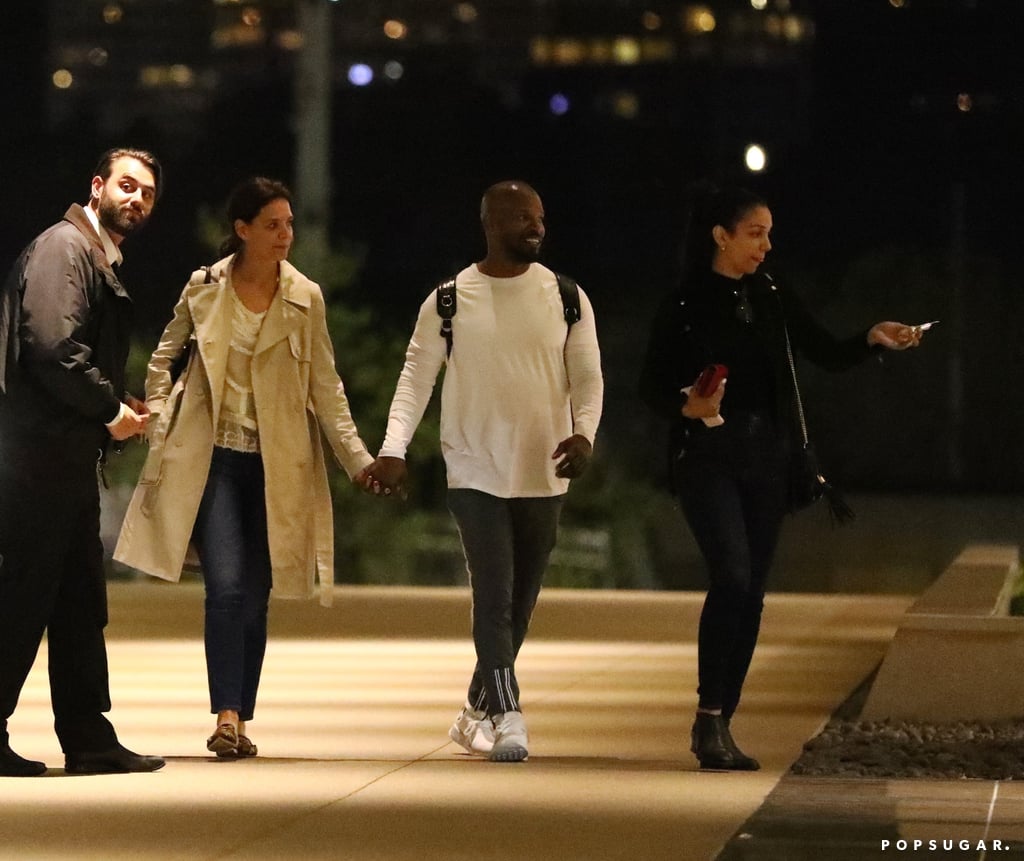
x=559, y=104
x=359, y=74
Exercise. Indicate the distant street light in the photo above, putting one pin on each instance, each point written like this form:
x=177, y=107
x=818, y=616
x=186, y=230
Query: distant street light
x=755, y=158
x=559, y=104
x=360, y=74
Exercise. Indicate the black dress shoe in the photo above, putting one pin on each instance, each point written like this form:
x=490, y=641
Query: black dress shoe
x=12, y=765
x=113, y=760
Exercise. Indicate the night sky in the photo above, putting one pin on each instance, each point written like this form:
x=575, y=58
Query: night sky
x=889, y=200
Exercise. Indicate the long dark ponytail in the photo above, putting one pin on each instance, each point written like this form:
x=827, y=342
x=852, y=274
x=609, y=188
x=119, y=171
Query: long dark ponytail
x=710, y=205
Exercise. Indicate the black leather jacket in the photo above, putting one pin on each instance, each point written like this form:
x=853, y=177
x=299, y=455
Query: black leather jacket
x=690, y=332
x=65, y=324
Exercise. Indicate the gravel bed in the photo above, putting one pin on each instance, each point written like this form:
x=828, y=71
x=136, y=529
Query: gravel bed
x=900, y=749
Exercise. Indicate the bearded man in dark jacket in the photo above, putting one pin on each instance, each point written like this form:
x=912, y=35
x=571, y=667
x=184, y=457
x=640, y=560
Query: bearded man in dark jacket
x=65, y=320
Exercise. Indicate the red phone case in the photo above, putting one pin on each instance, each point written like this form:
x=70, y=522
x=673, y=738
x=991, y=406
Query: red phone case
x=709, y=380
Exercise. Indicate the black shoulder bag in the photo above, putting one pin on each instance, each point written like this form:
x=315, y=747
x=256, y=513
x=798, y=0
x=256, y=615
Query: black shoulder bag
x=807, y=484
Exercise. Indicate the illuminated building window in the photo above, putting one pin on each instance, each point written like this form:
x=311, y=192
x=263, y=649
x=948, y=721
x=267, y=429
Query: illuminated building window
x=964, y=103
x=568, y=52
x=620, y=51
x=626, y=51
x=465, y=12
x=793, y=28
x=650, y=20
x=540, y=51
x=290, y=40
x=236, y=36
x=395, y=29
x=63, y=79
x=601, y=52
x=177, y=76
x=625, y=105
x=698, y=20
x=658, y=50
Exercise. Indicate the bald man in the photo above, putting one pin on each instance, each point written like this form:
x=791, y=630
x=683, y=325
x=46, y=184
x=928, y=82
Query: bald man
x=520, y=405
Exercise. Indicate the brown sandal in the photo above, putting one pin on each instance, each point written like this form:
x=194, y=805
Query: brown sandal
x=224, y=741
x=245, y=747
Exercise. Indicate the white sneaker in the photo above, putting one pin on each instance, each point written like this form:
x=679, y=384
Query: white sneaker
x=474, y=731
x=510, y=738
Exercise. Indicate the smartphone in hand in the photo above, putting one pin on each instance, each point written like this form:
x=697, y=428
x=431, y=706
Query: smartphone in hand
x=709, y=380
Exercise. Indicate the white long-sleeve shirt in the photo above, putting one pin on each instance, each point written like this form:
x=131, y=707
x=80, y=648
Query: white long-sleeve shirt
x=515, y=385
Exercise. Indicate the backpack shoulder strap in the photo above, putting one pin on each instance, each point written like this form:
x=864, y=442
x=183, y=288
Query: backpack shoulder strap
x=203, y=275
x=447, y=305
x=446, y=301
x=569, y=290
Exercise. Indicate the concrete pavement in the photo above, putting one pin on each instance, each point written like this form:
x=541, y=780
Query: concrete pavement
x=352, y=729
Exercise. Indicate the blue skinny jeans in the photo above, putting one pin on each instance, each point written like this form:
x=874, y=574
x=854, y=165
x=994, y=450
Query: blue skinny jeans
x=231, y=538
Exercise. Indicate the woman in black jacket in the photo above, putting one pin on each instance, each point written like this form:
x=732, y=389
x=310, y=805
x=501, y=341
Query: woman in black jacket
x=730, y=449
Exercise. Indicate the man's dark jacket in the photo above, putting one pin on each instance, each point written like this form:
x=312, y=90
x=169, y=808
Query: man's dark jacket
x=65, y=323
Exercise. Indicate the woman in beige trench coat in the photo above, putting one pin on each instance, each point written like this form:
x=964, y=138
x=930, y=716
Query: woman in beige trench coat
x=235, y=464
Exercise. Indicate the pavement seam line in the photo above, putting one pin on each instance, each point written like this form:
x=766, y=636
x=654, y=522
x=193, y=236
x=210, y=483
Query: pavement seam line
x=988, y=819
x=238, y=847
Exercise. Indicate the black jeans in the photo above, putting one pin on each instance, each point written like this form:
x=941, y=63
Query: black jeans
x=231, y=538
x=507, y=543
x=52, y=580
x=731, y=483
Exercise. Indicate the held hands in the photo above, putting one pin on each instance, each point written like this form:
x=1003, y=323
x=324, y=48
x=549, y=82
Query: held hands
x=132, y=422
x=575, y=453
x=386, y=476
x=895, y=336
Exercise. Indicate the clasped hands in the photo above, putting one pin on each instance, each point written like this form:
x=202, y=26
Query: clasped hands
x=387, y=476
x=133, y=420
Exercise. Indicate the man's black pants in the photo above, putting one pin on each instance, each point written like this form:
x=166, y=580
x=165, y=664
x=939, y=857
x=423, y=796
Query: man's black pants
x=507, y=543
x=52, y=581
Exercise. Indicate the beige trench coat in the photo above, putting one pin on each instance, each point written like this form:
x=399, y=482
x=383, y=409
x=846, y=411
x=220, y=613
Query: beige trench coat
x=297, y=392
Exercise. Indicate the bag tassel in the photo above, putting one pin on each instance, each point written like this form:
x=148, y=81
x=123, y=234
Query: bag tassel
x=839, y=511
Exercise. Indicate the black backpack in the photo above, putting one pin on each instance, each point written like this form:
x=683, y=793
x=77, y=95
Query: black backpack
x=447, y=304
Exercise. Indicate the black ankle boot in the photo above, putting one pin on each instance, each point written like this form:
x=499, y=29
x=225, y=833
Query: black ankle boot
x=741, y=762
x=710, y=742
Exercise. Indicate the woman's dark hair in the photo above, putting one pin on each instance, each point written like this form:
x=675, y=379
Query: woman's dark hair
x=710, y=206
x=245, y=203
